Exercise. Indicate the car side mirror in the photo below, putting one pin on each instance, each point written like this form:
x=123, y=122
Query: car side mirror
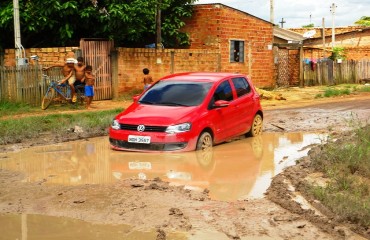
x=135, y=98
x=221, y=104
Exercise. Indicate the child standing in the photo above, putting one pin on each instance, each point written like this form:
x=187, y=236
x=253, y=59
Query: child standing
x=148, y=80
x=89, y=87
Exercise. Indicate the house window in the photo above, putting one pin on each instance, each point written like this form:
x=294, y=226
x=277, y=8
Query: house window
x=236, y=51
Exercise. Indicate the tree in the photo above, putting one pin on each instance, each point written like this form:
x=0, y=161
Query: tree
x=364, y=21
x=65, y=22
x=311, y=25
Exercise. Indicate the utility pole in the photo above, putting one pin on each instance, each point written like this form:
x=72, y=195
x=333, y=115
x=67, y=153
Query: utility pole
x=282, y=22
x=323, y=36
x=272, y=11
x=158, y=26
x=17, y=32
x=332, y=10
x=20, y=53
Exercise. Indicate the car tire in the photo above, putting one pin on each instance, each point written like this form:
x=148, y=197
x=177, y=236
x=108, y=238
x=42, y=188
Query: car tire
x=205, y=141
x=256, y=128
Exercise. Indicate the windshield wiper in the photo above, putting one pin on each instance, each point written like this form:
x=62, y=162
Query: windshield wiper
x=146, y=102
x=172, y=104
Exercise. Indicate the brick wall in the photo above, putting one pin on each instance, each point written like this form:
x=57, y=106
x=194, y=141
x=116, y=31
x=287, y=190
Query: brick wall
x=294, y=67
x=47, y=56
x=131, y=62
x=212, y=26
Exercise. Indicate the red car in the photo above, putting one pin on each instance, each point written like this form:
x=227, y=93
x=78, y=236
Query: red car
x=188, y=111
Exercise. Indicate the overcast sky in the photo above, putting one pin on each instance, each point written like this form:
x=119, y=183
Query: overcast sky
x=296, y=13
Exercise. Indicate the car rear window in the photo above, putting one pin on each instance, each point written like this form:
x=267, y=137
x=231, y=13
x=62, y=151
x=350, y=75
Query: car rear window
x=176, y=93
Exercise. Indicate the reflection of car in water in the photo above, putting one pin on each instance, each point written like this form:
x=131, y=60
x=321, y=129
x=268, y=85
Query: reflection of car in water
x=228, y=170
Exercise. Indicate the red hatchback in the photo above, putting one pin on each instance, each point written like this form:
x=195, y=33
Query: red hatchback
x=188, y=111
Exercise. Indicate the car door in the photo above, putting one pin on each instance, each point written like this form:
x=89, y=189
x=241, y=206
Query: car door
x=244, y=104
x=224, y=118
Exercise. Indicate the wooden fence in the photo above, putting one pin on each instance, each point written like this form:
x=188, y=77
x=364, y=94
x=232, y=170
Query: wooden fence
x=328, y=72
x=25, y=84
x=20, y=84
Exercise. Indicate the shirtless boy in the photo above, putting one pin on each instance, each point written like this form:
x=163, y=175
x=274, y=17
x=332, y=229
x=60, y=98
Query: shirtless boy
x=147, y=80
x=80, y=71
x=89, y=87
x=68, y=73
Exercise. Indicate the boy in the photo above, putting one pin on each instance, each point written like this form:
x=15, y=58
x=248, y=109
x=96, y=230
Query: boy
x=148, y=80
x=80, y=71
x=68, y=73
x=89, y=87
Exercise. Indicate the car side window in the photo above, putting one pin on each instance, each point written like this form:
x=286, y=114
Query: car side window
x=242, y=86
x=223, y=92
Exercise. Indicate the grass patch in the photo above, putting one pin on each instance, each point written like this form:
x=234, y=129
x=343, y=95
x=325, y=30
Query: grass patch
x=364, y=88
x=333, y=92
x=343, y=89
x=127, y=96
x=10, y=108
x=346, y=162
x=15, y=130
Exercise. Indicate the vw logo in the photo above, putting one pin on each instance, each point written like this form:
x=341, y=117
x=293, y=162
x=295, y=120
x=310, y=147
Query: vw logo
x=140, y=128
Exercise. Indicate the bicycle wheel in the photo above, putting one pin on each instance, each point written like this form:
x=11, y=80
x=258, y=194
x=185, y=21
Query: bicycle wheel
x=49, y=95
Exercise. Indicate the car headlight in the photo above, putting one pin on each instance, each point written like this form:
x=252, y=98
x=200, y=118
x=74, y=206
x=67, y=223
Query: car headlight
x=184, y=127
x=116, y=125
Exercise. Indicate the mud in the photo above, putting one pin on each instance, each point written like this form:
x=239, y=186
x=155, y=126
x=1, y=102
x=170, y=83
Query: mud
x=166, y=211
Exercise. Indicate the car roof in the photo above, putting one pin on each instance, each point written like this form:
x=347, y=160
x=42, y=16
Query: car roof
x=201, y=76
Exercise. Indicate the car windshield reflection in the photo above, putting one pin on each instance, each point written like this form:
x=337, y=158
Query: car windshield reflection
x=176, y=93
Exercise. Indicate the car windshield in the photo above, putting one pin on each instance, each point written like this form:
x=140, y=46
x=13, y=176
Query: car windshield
x=176, y=93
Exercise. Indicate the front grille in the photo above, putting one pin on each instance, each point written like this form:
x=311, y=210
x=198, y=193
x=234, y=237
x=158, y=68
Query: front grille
x=147, y=128
x=147, y=147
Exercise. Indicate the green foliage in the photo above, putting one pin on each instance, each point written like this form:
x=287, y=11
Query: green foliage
x=64, y=23
x=338, y=53
x=364, y=21
x=309, y=26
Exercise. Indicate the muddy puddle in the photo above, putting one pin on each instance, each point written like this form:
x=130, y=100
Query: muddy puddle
x=232, y=171
x=29, y=226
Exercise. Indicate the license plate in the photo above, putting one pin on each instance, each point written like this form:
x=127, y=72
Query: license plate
x=139, y=165
x=138, y=139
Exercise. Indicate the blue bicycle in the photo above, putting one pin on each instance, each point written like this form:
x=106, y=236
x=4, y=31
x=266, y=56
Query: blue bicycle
x=63, y=90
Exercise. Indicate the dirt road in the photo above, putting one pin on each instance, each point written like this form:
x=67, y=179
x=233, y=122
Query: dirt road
x=172, y=212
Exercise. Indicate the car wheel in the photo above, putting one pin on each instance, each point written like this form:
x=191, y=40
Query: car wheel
x=205, y=141
x=256, y=128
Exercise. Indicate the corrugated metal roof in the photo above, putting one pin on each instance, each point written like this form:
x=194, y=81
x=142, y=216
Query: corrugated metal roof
x=287, y=34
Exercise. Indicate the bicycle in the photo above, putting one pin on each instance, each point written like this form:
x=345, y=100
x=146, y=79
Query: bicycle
x=63, y=90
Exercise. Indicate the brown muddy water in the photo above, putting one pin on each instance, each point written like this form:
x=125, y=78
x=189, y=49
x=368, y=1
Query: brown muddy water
x=236, y=170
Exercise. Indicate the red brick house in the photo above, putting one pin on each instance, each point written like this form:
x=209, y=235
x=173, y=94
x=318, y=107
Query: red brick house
x=243, y=40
